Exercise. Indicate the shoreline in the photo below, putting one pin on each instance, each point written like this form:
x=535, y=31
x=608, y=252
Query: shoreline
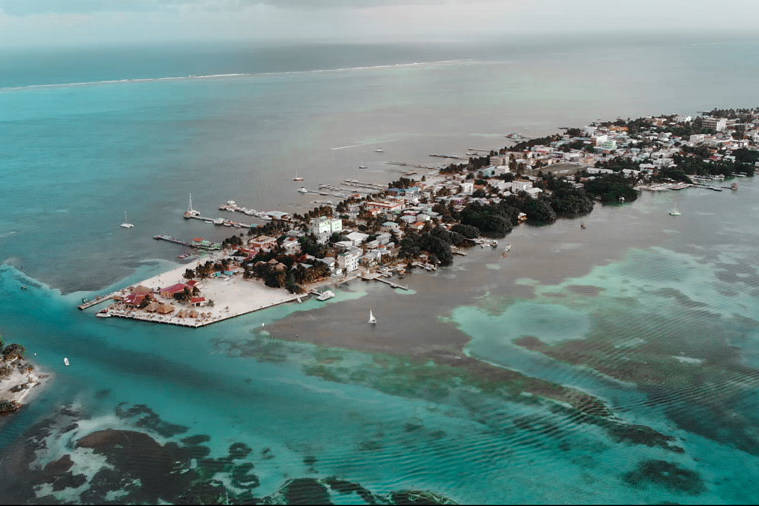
x=423, y=221
x=27, y=385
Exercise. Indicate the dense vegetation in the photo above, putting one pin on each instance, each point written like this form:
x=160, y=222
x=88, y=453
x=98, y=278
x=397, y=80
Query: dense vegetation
x=492, y=220
x=279, y=270
x=566, y=200
x=610, y=187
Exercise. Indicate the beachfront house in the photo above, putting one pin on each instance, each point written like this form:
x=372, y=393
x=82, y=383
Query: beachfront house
x=330, y=262
x=348, y=260
x=169, y=291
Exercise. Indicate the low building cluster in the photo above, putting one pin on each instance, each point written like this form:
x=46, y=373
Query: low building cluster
x=421, y=221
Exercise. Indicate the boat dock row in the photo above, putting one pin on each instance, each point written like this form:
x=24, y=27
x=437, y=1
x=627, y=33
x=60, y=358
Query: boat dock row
x=221, y=222
x=233, y=207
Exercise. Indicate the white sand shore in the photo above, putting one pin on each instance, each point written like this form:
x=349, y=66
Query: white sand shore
x=20, y=384
x=231, y=296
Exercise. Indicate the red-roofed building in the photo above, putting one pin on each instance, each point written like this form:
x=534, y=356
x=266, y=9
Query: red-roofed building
x=198, y=301
x=169, y=291
x=134, y=299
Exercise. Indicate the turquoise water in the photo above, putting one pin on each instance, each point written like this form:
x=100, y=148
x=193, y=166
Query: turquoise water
x=655, y=318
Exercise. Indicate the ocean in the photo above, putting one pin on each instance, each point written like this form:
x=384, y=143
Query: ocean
x=613, y=364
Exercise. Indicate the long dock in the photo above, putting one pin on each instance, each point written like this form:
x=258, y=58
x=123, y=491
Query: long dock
x=174, y=240
x=86, y=304
x=375, y=277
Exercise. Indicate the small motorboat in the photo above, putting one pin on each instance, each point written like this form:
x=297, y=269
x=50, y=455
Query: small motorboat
x=303, y=189
x=372, y=319
x=326, y=295
x=379, y=150
x=506, y=250
x=674, y=212
x=363, y=167
x=582, y=226
x=66, y=361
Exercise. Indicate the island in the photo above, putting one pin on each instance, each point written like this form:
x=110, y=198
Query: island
x=17, y=378
x=421, y=220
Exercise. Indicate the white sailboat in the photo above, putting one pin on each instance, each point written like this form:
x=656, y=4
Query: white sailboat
x=674, y=212
x=372, y=319
x=190, y=213
x=126, y=223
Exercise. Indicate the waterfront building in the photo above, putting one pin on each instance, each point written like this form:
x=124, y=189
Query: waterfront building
x=348, y=260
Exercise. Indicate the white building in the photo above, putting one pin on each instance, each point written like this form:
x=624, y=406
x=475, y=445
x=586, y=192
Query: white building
x=600, y=139
x=717, y=124
x=520, y=186
x=324, y=225
x=348, y=260
x=467, y=187
x=697, y=138
x=291, y=245
x=534, y=192
x=357, y=238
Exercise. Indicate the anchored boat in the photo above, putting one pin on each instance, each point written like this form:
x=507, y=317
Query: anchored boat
x=126, y=223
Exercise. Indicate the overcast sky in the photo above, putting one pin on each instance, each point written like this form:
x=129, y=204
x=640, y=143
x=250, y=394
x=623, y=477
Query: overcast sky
x=70, y=22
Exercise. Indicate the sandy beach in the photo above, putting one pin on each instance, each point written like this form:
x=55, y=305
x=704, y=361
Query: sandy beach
x=232, y=296
x=21, y=384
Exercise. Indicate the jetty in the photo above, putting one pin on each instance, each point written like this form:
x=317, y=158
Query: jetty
x=453, y=157
x=415, y=165
x=375, y=277
x=88, y=303
x=204, y=245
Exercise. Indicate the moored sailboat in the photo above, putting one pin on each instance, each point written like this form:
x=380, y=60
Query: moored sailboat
x=126, y=223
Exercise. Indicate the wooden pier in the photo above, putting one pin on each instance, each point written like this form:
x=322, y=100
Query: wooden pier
x=173, y=240
x=375, y=277
x=86, y=304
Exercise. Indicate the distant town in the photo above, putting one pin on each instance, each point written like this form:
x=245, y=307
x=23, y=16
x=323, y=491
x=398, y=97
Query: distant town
x=423, y=219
